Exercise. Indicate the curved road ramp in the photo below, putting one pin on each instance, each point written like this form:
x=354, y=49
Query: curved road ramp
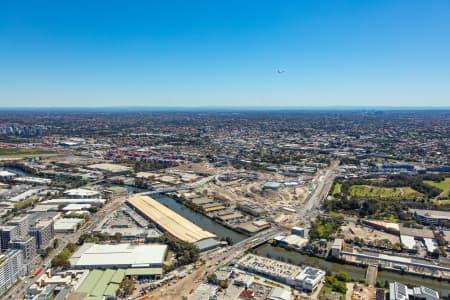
x=168, y=220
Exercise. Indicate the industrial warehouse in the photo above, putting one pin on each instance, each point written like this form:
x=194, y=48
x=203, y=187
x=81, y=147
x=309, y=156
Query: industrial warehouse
x=168, y=220
x=123, y=256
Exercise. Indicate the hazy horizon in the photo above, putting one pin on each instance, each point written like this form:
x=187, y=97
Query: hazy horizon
x=133, y=108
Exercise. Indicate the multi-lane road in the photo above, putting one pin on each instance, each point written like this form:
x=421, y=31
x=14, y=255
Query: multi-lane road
x=307, y=212
x=310, y=208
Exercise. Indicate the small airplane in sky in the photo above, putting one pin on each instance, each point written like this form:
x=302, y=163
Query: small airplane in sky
x=280, y=71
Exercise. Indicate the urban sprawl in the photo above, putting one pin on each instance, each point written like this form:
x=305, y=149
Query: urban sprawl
x=273, y=205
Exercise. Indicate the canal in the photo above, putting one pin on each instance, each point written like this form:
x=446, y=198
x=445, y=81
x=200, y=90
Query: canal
x=18, y=172
x=201, y=220
x=443, y=287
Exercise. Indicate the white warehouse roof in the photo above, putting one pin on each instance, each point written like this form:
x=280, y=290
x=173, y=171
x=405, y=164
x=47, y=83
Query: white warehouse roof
x=119, y=256
x=76, y=206
x=408, y=241
x=63, y=201
x=81, y=193
x=69, y=224
x=430, y=244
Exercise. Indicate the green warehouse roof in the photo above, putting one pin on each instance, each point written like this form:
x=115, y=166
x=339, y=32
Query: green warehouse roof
x=103, y=283
x=143, y=271
x=90, y=282
x=111, y=289
x=118, y=276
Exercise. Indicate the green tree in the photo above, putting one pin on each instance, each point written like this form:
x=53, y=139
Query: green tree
x=118, y=237
x=127, y=285
x=223, y=284
x=340, y=287
x=343, y=277
x=379, y=284
x=212, y=277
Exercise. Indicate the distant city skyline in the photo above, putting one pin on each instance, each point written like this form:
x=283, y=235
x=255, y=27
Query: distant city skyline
x=232, y=54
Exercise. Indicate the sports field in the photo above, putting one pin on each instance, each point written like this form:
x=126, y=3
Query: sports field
x=383, y=192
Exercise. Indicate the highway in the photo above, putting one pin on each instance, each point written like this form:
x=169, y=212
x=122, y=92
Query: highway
x=214, y=259
x=311, y=207
x=308, y=212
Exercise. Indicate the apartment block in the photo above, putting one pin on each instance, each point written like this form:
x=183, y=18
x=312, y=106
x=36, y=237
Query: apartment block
x=11, y=268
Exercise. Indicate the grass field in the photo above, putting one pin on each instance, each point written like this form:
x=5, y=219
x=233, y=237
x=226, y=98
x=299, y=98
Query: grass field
x=337, y=189
x=443, y=185
x=384, y=193
x=23, y=151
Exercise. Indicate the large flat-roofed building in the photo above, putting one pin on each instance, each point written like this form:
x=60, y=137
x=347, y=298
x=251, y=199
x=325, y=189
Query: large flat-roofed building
x=100, y=284
x=408, y=242
x=7, y=175
x=399, y=291
x=425, y=293
x=123, y=256
x=272, y=185
x=67, y=201
x=81, y=193
x=292, y=241
x=110, y=168
x=251, y=208
x=306, y=279
x=431, y=217
x=272, y=269
x=310, y=278
x=68, y=225
x=11, y=268
x=431, y=245
x=168, y=220
x=207, y=244
x=250, y=228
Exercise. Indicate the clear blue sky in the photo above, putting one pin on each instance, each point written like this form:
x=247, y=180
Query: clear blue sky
x=225, y=53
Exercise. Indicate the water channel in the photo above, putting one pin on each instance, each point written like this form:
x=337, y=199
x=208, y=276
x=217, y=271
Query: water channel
x=443, y=287
x=201, y=220
x=18, y=172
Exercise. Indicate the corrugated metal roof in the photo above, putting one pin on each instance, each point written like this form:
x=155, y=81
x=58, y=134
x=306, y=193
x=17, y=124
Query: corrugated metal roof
x=143, y=271
x=206, y=244
x=118, y=256
x=118, y=276
x=94, y=298
x=111, y=289
x=91, y=280
x=101, y=285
